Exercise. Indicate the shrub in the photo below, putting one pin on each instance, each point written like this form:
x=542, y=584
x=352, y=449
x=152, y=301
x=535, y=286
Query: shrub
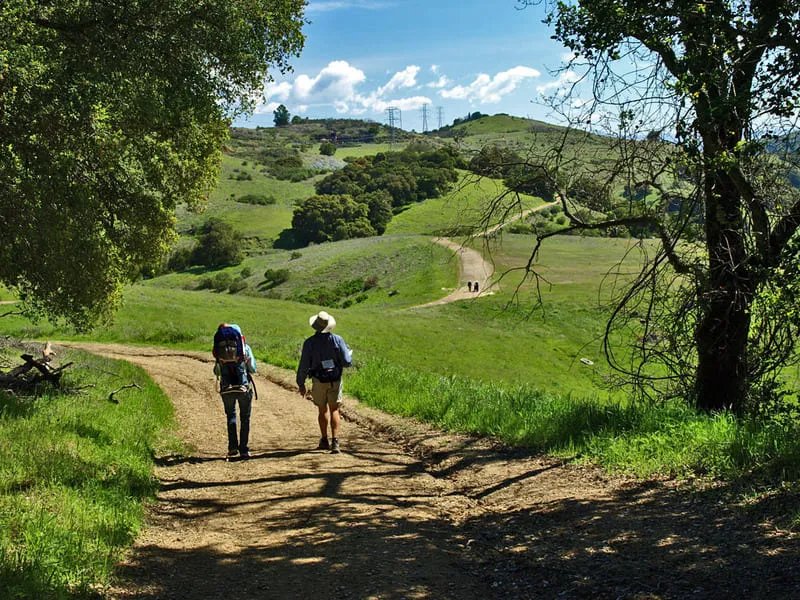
x=259, y=199
x=219, y=244
x=295, y=255
x=221, y=282
x=327, y=148
x=180, y=259
x=245, y=273
x=520, y=227
x=237, y=285
x=277, y=276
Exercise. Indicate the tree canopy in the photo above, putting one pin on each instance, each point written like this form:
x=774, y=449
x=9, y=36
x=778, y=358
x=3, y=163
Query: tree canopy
x=280, y=116
x=112, y=113
x=712, y=314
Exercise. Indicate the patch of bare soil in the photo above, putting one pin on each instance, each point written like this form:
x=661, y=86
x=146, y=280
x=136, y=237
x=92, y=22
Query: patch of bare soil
x=409, y=512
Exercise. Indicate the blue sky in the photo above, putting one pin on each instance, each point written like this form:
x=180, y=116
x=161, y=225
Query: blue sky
x=362, y=56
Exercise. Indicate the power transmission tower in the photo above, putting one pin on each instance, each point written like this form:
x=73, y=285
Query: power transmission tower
x=395, y=121
x=424, y=118
x=440, y=113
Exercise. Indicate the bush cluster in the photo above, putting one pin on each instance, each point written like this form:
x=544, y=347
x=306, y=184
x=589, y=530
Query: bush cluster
x=345, y=293
x=359, y=200
x=259, y=199
x=275, y=277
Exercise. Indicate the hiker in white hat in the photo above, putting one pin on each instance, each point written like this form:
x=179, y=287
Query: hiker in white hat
x=324, y=357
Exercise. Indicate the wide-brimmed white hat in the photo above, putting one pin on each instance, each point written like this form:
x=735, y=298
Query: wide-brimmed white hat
x=322, y=322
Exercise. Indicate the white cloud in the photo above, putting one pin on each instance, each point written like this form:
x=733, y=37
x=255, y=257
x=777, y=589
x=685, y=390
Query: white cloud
x=402, y=79
x=337, y=85
x=565, y=80
x=266, y=109
x=442, y=82
x=414, y=103
x=490, y=90
x=337, y=82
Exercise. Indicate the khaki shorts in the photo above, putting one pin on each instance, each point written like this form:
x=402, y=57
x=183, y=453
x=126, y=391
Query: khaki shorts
x=323, y=394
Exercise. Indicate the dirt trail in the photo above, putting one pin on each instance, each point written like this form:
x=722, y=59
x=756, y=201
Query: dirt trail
x=473, y=267
x=406, y=512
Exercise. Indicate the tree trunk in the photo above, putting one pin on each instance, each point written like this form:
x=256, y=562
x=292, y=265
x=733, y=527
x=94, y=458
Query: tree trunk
x=721, y=336
x=722, y=372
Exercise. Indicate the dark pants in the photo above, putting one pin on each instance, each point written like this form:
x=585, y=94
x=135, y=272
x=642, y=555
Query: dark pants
x=245, y=401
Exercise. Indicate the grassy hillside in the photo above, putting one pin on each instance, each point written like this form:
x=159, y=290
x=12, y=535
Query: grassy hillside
x=398, y=271
x=462, y=209
x=487, y=339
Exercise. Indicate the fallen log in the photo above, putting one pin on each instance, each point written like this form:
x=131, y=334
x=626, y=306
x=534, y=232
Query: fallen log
x=18, y=378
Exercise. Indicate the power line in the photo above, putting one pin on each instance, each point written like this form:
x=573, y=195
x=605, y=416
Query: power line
x=440, y=114
x=395, y=121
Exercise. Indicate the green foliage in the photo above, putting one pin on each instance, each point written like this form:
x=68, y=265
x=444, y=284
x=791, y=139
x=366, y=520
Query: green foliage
x=407, y=176
x=281, y=116
x=180, y=259
x=219, y=282
x=237, y=285
x=327, y=148
x=275, y=277
x=534, y=180
x=494, y=161
x=351, y=290
x=219, y=244
x=109, y=119
x=75, y=471
x=590, y=193
x=328, y=218
x=258, y=199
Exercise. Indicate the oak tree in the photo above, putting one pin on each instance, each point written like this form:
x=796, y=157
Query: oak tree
x=112, y=113
x=713, y=311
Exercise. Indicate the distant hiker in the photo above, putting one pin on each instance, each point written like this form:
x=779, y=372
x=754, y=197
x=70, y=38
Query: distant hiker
x=469, y=286
x=233, y=367
x=475, y=287
x=324, y=357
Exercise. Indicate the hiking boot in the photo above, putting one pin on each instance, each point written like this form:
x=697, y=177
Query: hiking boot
x=323, y=444
x=245, y=454
x=335, y=446
x=233, y=452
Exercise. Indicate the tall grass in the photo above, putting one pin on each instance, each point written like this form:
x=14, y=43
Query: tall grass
x=641, y=439
x=75, y=470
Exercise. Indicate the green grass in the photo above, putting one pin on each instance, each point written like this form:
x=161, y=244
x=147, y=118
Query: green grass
x=6, y=294
x=75, y=471
x=460, y=208
x=487, y=340
x=367, y=150
x=403, y=270
x=643, y=440
x=500, y=124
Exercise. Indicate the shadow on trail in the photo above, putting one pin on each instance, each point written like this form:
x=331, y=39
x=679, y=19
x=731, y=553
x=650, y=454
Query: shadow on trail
x=646, y=540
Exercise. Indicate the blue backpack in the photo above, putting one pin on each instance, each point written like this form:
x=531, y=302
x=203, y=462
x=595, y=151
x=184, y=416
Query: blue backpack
x=230, y=354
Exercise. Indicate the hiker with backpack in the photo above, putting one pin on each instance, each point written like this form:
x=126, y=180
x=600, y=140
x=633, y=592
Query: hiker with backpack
x=323, y=358
x=233, y=367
